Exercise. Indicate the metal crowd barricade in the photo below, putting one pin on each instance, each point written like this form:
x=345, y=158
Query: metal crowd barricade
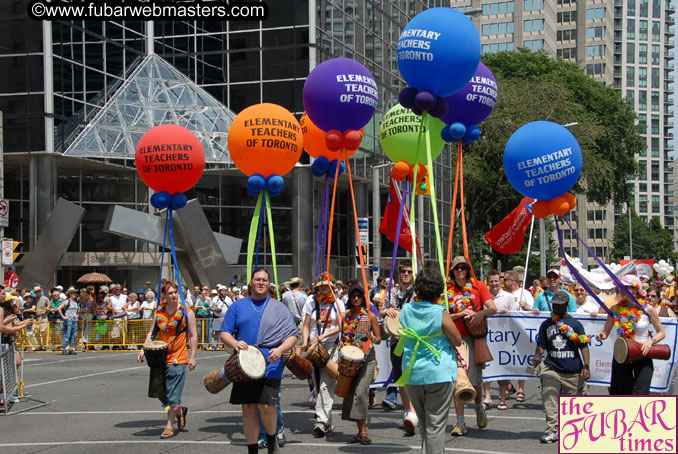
x=12, y=383
x=95, y=334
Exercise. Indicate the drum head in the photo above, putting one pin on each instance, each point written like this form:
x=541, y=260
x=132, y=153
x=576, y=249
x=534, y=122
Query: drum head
x=155, y=345
x=391, y=324
x=621, y=350
x=352, y=353
x=252, y=362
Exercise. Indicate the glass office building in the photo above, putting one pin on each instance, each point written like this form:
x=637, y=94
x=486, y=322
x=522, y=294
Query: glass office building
x=59, y=77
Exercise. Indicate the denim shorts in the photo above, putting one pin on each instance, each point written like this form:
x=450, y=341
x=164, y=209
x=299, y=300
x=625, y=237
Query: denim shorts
x=175, y=376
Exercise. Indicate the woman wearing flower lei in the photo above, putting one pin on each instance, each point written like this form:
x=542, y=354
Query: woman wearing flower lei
x=360, y=329
x=171, y=325
x=631, y=322
x=323, y=314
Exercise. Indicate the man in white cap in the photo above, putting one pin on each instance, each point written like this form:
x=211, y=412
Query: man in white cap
x=219, y=307
x=295, y=299
x=542, y=302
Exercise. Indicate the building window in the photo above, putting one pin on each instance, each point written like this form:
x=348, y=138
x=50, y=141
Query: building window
x=595, y=32
x=655, y=102
x=642, y=100
x=630, y=76
x=656, y=31
x=533, y=5
x=631, y=28
x=643, y=8
x=534, y=25
x=631, y=7
x=595, y=69
x=535, y=44
x=655, y=204
x=566, y=16
x=642, y=54
x=655, y=171
x=642, y=77
x=642, y=203
x=642, y=30
x=595, y=13
x=595, y=51
x=655, y=54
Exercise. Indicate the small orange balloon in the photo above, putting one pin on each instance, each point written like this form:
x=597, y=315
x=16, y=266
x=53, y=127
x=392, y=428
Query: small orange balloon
x=400, y=170
x=315, y=144
x=421, y=171
x=265, y=139
x=571, y=200
x=559, y=206
x=541, y=209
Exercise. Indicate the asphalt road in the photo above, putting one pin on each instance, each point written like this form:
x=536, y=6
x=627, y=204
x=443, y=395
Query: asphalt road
x=97, y=401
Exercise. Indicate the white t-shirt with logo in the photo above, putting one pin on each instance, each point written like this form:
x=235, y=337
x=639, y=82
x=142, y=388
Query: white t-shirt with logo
x=526, y=297
x=310, y=309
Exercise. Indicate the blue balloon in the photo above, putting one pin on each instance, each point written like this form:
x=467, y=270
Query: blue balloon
x=274, y=185
x=179, y=201
x=542, y=160
x=445, y=134
x=160, y=200
x=320, y=166
x=255, y=184
x=333, y=168
x=457, y=130
x=439, y=50
x=472, y=133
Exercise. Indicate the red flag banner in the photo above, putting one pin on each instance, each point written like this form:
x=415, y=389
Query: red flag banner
x=508, y=236
x=389, y=223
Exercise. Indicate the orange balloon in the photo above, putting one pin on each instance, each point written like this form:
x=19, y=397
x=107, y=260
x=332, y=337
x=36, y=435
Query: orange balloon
x=400, y=170
x=422, y=171
x=314, y=141
x=265, y=139
x=541, y=209
x=571, y=200
x=559, y=205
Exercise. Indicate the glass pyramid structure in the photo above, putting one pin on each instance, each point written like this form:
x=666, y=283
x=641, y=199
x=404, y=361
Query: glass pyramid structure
x=155, y=93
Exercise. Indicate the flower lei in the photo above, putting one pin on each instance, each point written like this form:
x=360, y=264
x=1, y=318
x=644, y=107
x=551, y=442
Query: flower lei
x=626, y=318
x=323, y=277
x=569, y=332
x=165, y=322
x=324, y=299
x=458, y=305
x=350, y=325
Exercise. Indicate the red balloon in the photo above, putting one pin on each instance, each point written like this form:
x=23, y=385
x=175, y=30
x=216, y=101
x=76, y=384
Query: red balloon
x=315, y=141
x=541, y=209
x=169, y=158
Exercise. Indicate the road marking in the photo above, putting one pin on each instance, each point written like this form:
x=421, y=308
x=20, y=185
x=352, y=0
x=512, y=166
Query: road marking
x=231, y=443
x=103, y=373
x=72, y=359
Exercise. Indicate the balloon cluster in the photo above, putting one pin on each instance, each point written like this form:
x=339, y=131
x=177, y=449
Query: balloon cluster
x=420, y=101
x=543, y=160
x=163, y=199
x=257, y=183
x=662, y=268
x=402, y=170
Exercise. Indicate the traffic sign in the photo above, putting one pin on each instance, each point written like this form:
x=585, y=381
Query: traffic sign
x=7, y=252
x=4, y=213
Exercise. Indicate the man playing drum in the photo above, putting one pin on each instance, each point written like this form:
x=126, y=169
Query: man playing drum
x=171, y=323
x=563, y=372
x=267, y=323
x=471, y=300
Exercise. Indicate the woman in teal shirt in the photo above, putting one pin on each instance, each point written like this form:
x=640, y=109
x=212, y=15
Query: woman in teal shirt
x=427, y=343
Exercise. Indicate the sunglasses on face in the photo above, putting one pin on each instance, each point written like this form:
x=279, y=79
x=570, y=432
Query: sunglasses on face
x=405, y=271
x=459, y=268
x=581, y=290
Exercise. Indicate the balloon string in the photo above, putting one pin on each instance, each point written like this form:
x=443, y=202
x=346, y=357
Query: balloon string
x=322, y=224
x=259, y=232
x=252, y=236
x=267, y=202
x=414, y=196
x=434, y=207
x=176, y=265
x=463, y=213
x=401, y=214
x=454, y=211
x=613, y=276
x=361, y=258
x=162, y=253
x=329, y=229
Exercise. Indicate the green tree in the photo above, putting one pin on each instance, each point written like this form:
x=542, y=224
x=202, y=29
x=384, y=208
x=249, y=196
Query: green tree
x=649, y=241
x=533, y=86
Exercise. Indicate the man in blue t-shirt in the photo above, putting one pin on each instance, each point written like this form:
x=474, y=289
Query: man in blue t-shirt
x=267, y=323
x=542, y=303
x=562, y=371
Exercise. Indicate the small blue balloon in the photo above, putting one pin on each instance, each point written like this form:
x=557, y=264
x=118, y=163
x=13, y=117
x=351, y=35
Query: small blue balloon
x=179, y=201
x=542, y=160
x=274, y=185
x=425, y=100
x=255, y=184
x=445, y=134
x=457, y=130
x=333, y=168
x=406, y=97
x=160, y=200
x=440, y=107
x=472, y=133
x=320, y=166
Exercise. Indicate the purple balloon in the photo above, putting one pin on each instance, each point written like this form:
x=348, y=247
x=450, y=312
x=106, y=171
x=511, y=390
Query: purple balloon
x=340, y=94
x=474, y=103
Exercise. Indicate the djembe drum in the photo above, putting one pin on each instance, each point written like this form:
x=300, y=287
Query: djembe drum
x=628, y=350
x=300, y=367
x=318, y=355
x=479, y=333
x=391, y=325
x=463, y=389
x=350, y=360
x=155, y=352
x=241, y=367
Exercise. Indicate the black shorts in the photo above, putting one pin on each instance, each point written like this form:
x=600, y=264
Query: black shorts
x=265, y=391
x=396, y=362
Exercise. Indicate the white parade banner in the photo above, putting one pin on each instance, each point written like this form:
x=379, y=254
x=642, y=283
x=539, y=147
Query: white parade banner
x=512, y=341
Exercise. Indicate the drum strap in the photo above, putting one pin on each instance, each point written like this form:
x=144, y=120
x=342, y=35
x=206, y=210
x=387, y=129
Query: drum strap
x=548, y=303
x=327, y=318
x=296, y=304
x=406, y=298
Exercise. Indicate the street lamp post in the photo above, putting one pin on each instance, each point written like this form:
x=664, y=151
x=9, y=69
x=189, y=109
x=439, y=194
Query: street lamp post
x=376, y=215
